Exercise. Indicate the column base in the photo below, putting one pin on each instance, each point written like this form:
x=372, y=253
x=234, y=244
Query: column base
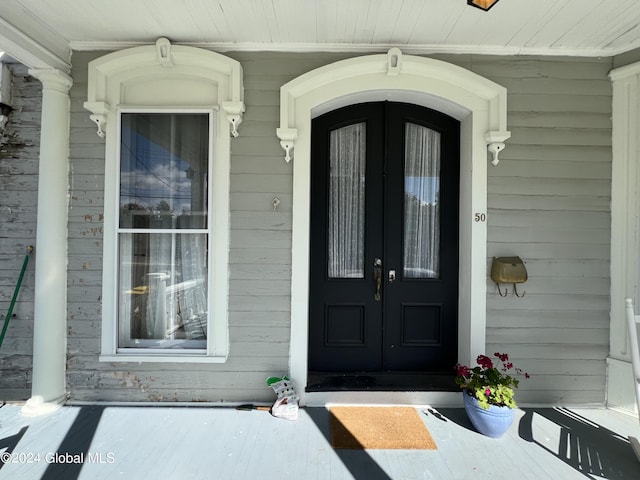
x=36, y=406
x=621, y=393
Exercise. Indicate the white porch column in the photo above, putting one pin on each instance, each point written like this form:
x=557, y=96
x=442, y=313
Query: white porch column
x=50, y=309
x=625, y=232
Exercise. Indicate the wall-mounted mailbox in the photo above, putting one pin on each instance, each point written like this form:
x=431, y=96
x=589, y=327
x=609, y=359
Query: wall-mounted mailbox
x=508, y=270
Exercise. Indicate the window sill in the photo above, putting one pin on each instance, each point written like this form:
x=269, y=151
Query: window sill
x=161, y=358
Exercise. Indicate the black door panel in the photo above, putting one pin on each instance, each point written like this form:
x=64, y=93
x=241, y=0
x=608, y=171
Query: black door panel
x=408, y=321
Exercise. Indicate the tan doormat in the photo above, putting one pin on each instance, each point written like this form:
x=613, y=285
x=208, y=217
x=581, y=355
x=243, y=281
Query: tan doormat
x=367, y=428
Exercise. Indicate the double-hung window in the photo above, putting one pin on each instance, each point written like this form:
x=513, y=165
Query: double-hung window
x=164, y=231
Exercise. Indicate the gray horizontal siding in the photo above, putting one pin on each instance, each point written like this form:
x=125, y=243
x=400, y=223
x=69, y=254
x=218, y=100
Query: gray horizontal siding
x=19, y=151
x=548, y=202
x=260, y=257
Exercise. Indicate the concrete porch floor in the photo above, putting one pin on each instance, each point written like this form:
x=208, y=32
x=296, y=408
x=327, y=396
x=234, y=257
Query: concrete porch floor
x=204, y=442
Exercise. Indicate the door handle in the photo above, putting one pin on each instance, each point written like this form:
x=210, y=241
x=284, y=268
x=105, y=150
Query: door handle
x=377, y=275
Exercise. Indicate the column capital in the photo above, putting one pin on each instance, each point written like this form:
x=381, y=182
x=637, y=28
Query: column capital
x=52, y=78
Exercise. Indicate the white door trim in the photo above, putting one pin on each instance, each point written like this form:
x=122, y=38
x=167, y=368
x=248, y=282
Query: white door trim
x=477, y=102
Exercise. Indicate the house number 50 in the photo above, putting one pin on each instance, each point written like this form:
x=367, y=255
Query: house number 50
x=480, y=217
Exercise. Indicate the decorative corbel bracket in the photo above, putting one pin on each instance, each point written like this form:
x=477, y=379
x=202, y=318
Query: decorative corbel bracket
x=163, y=52
x=99, y=111
x=234, y=111
x=495, y=144
x=287, y=138
x=394, y=61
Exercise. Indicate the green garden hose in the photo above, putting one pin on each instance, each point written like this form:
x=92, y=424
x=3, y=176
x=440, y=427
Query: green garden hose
x=15, y=294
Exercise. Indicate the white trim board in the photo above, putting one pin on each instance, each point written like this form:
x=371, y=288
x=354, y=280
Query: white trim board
x=415, y=49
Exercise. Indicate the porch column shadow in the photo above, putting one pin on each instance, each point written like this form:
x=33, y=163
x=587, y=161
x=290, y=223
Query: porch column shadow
x=76, y=442
x=11, y=442
x=358, y=462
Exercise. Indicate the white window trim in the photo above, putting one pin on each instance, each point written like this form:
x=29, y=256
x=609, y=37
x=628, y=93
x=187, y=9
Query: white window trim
x=481, y=107
x=108, y=77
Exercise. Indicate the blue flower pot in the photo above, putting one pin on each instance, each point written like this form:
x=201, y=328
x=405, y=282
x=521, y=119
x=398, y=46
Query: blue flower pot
x=493, y=422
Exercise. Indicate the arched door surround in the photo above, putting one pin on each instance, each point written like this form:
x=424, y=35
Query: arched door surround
x=480, y=106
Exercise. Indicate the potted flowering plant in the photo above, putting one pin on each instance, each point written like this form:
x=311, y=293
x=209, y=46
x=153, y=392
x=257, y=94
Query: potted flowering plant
x=488, y=383
x=488, y=391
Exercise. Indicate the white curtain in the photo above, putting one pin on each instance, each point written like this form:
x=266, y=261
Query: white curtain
x=163, y=280
x=422, y=202
x=346, y=201
x=160, y=314
x=127, y=301
x=192, y=305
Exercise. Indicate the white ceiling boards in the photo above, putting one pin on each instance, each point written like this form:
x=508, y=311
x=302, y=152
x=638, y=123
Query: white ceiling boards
x=511, y=27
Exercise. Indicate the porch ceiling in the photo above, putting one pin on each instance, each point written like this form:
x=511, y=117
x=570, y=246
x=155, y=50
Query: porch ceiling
x=547, y=27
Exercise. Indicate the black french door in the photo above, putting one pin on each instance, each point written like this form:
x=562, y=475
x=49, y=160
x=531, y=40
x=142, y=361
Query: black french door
x=383, y=242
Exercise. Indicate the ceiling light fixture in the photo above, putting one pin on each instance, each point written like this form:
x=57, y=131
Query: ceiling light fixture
x=482, y=4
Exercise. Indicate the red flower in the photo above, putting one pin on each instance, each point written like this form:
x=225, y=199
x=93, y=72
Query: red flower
x=487, y=392
x=463, y=370
x=502, y=356
x=484, y=361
